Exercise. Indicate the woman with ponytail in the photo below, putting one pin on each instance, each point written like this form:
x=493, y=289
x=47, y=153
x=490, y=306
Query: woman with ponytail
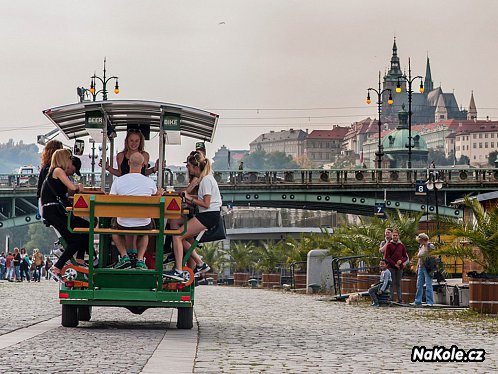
x=208, y=200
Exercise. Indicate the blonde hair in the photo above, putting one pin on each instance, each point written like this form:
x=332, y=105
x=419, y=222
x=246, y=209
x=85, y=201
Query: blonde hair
x=141, y=146
x=203, y=163
x=60, y=159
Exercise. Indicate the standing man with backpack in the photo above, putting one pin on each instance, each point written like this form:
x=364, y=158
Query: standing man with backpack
x=396, y=257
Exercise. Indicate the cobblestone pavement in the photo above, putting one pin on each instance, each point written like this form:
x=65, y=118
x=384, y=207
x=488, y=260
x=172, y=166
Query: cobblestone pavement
x=241, y=330
x=259, y=331
x=115, y=341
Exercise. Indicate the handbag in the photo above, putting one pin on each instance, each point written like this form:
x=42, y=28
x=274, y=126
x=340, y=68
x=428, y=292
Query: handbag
x=215, y=233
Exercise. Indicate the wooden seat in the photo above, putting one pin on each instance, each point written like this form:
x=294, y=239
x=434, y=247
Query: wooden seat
x=165, y=207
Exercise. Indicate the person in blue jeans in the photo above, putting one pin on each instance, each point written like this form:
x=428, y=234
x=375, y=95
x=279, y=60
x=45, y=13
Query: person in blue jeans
x=423, y=275
x=17, y=264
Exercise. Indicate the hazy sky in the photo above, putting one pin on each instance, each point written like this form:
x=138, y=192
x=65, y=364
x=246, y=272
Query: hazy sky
x=260, y=64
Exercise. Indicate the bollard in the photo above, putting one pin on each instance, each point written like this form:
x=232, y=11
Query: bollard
x=253, y=282
x=314, y=287
x=210, y=281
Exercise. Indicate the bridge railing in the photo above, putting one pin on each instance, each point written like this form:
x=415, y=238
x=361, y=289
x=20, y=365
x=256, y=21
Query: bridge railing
x=333, y=177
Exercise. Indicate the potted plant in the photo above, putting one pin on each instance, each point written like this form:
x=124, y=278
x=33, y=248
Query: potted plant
x=213, y=255
x=269, y=255
x=477, y=239
x=241, y=259
x=297, y=258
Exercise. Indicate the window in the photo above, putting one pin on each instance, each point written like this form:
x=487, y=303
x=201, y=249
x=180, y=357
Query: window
x=492, y=135
x=474, y=157
x=480, y=145
x=480, y=136
x=492, y=144
x=486, y=136
x=474, y=145
x=486, y=145
x=474, y=136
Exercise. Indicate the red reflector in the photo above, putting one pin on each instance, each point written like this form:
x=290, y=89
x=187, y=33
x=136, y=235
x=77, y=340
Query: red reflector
x=69, y=284
x=63, y=295
x=180, y=286
x=81, y=203
x=173, y=205
x=185, y=298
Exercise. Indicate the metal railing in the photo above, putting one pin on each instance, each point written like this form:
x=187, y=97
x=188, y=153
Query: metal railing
x=333, y=177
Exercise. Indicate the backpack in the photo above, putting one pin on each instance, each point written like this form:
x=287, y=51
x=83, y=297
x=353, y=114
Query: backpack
x=431, y=264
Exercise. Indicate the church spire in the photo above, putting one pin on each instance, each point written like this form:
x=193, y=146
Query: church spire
x=472, y=113
x=395, y=70
x=428, y=84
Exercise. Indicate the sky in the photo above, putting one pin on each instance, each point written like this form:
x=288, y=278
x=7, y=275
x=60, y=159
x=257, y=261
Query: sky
x=261, y=65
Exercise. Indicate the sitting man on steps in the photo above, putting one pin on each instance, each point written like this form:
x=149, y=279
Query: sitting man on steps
x=133, y=184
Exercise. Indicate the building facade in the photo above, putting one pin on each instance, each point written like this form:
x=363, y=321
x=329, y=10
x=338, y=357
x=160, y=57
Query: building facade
x=290, y=142
x=323, y=146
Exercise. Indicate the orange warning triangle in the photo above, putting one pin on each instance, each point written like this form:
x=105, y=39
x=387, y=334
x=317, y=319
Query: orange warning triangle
x=81, y=203
x=173, y=205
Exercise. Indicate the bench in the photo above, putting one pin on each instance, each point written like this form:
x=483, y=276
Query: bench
x=155, y=207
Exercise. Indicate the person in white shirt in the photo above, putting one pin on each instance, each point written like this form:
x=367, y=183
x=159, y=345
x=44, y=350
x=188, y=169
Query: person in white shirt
x=134, y=184
x=209, y=202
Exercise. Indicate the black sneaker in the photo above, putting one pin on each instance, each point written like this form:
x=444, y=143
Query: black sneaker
x=201, y=268
x=174, y=274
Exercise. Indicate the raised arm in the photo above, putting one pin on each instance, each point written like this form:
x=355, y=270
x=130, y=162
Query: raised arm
x=119, y=160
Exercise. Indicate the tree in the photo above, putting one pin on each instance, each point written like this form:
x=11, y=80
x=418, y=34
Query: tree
x=40, y=237
x=280, y=160
x=260, y=160
x=463, y=160
x=241, y=255
x=439, y=157
x=12, y=155
x=255, y=160
x=212, y=254
x=481, y=233
x=270, y=254
x=492, y=157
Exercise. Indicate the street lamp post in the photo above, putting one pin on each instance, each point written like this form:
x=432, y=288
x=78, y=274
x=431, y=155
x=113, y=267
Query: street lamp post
x=409, y=80
x=379, y=93
x=434, y=183
x=104, y=82
x=93, y=157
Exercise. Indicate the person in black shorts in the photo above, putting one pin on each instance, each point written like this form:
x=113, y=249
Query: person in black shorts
x=208, y=201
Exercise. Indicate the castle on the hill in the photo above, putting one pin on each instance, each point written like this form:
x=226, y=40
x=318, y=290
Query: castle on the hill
x=433, y=105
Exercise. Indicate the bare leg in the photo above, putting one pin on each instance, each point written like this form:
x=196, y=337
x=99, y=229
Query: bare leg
x=120, y=244
x=142, y=242
x=194, y=256
x=193, y=228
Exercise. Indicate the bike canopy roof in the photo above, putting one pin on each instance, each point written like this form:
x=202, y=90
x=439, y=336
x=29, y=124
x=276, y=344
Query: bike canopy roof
x=71, y=119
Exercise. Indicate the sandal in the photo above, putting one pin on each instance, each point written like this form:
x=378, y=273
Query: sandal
x=56, y=274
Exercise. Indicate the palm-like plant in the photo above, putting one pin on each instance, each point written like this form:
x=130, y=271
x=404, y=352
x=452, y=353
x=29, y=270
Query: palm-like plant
x=241, y=255
x=212, y=254
x=481, y=232
x=270, y=254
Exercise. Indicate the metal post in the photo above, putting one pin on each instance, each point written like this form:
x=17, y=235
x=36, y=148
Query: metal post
x=93, y=163
x=409, y=115
x=437, y=215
